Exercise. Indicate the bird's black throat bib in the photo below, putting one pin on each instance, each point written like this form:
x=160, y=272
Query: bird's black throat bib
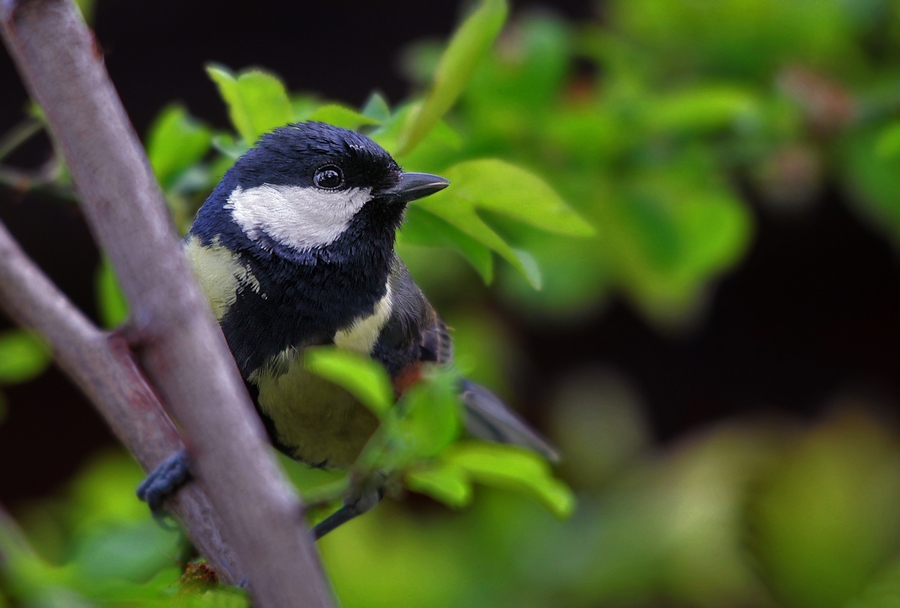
x=304, y=297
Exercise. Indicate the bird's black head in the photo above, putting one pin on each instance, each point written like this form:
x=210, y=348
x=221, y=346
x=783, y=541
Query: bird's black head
x=316, y=155
x=305, y=185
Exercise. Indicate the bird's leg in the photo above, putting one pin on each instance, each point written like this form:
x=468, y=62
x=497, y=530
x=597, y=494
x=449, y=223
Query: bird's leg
x=360, y=501
x=164, y=481
x=174, y=472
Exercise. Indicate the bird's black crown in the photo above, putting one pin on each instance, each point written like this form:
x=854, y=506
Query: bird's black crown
x=320, y=155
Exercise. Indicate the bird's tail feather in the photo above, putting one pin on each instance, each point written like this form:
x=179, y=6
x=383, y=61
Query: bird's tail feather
x=487, y=417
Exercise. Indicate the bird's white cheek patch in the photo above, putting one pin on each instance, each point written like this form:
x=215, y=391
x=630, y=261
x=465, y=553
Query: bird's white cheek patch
x=294, y=216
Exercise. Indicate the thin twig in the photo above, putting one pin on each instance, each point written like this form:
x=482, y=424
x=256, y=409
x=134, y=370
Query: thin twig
x=18, y=135
x=22, y=181
x=182, y=349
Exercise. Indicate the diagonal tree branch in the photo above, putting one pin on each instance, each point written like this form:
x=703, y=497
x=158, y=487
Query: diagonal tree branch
x=102, y=365
x=182, y=350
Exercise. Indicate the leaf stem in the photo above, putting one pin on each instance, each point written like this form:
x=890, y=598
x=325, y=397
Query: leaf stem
x=18, y=135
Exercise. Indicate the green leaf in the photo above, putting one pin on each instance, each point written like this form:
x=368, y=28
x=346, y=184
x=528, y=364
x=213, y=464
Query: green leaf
x=460, y=213
x=669, y=230
x=362, y=376
x=530, y=267
x=873, y=179
x=430, y=414
x=341, y=116
x=445, y=482
x=507, y=466
x=468, y=45
x=228, y=146
x=257, y=101
x=426, y=229
x=704, y=108
x=302, y=105
x=176, y=142
x=111, y=302
x=498, y=186
x=441, y=137
x=87, y=10
x=426, y=420
x=531, y=72
x=23, y=356
x=377, y=108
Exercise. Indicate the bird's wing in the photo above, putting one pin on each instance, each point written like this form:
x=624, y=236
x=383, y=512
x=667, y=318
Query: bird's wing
x=487, y=417
x=417, y=330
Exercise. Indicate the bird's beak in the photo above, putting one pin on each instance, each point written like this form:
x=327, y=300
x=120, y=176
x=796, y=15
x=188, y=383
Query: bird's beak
x=414, y=186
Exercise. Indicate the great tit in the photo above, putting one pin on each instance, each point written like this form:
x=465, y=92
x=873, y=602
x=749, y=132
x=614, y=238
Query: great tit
x=295, y=248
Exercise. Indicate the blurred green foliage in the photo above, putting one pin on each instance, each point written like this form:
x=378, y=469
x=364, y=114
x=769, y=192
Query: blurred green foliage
x=740, y=515
x=593, y=159
x=23, y=357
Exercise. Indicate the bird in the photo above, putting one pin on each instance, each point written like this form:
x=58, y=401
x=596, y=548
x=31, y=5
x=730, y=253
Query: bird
x=294, y=248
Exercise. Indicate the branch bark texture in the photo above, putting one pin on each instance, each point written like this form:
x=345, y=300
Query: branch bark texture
x=182, y=350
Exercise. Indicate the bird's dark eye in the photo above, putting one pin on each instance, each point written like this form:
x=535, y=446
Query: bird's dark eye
x=328, y=177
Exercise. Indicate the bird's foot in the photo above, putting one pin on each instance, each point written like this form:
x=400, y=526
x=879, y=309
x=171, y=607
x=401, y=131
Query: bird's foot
x=164, y=481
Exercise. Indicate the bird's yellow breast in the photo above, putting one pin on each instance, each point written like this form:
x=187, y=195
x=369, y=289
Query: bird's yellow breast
x=316, y=421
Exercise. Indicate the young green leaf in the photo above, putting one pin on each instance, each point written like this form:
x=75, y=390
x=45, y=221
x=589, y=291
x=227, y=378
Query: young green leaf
x=515, y=468
x=425, y=421
x=257, y=101
x=226, y=145
x=388, y=135
x=22, y=356
x=176, y=141
x=365, y=378
x=430, y=413
x=377, y=108
x=445, y=482
x=341, y=116
x=303, y=104
x=495, y=185
x=469, y=44
x=703, y=108
x=461, y=214
x=423, y=228
x=499, y=187
x=529, y=265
